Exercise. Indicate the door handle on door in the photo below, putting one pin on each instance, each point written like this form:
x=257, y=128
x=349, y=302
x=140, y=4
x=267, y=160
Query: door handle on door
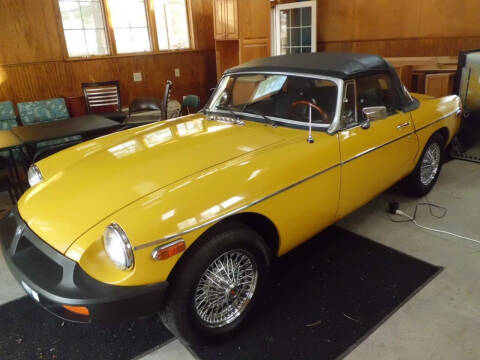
x=401, y=126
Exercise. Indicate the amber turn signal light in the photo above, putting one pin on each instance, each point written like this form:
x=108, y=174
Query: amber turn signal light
x=167, y=251
x=80, y=310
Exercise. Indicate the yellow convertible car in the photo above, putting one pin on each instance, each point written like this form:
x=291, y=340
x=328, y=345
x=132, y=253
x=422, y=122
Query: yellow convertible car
x=183, y=217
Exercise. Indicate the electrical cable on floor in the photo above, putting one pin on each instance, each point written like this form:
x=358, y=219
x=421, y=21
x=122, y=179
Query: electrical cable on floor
x=393, y=209
x=431, y=207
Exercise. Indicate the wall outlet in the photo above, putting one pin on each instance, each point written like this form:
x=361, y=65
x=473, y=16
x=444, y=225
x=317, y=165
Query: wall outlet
x=137, y=77
x=177, y=72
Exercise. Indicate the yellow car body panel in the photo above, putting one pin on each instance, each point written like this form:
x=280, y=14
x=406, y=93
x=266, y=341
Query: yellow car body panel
x=436, y=114
x=214, y=193
x=110, y=172
x=178, y=178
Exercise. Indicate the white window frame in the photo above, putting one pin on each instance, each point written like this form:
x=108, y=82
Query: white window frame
x=296, y=5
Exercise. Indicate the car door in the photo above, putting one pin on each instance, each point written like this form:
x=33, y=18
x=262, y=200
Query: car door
x=376, y=157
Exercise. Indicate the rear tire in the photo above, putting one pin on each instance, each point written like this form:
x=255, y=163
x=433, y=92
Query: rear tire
x=425, y=175
x=215, y=284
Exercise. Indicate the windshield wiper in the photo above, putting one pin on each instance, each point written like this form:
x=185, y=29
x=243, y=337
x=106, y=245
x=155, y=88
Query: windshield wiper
x=227, y=108
x=269, y=120
x=236, y=115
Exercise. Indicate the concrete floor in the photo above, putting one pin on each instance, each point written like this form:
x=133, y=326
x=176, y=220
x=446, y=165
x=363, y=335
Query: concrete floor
x=443, y=320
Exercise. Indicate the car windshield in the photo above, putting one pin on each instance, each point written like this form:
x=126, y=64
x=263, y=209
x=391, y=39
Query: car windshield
x=285, y=98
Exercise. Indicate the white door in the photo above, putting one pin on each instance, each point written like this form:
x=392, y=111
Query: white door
x=295, y=28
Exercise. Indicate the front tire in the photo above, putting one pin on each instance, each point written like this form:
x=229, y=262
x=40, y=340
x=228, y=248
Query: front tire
x=425, y=175
x=216, y=283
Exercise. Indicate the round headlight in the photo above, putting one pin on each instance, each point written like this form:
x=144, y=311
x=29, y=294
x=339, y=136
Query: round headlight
x=34, y=175
x=118, y=247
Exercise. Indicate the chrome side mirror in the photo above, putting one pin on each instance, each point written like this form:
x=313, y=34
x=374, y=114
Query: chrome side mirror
x=373, y=113
x=223, y=98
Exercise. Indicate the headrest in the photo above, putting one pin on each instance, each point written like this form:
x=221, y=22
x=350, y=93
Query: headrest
x=298, y=84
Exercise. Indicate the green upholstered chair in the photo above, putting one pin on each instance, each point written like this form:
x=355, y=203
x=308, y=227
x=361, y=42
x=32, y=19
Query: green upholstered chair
x=35, y=112
x=190, y=104
x=8, y=119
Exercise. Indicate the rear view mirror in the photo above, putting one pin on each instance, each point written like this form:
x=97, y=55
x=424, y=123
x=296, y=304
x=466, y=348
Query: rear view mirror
x=373, y=113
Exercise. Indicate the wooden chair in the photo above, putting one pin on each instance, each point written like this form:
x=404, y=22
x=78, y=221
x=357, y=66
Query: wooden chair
x=103, y=98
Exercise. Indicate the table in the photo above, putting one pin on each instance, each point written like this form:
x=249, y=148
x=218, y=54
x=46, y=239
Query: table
x=51, y=130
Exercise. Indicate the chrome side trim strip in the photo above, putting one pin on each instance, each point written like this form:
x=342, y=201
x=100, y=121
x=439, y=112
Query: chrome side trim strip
x=173, y=236
x=240, y=209
x=399, y=138
x=442, y=118
x=376, y=148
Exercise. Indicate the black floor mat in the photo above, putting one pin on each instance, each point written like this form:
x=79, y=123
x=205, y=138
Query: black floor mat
x=29, y=332
x=325, y=297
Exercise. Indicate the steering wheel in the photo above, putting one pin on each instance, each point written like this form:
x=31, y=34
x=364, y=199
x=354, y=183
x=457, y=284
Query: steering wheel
x=313, y=105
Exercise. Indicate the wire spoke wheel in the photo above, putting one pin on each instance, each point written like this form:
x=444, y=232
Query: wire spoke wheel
x=430, y=163
x=226, y=288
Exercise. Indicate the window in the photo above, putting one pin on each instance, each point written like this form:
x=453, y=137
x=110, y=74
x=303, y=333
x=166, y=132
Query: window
x=135, y=26
x=172, y=24
x=376, y=90
x=130, y=25
x=278, y=96
x=84, y=27
x=295, y=28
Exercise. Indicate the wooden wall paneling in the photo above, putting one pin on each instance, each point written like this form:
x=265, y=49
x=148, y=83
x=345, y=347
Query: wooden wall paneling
x=386, y=19
x=449, y=18
x=398, y=28
x=27, y=82
x=335, y=20
x=253, y=49
x=404, y=47
x=28, y=32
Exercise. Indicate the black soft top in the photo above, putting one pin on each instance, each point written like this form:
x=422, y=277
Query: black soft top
x=339, y=65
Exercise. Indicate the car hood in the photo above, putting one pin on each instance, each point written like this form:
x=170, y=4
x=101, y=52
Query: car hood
x=86, y=183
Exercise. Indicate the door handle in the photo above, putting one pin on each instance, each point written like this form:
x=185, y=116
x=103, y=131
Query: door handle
x=401, y=126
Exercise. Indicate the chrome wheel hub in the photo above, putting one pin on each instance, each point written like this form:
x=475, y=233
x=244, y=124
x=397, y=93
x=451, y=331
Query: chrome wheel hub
x=226, y=288
x=430, y=164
